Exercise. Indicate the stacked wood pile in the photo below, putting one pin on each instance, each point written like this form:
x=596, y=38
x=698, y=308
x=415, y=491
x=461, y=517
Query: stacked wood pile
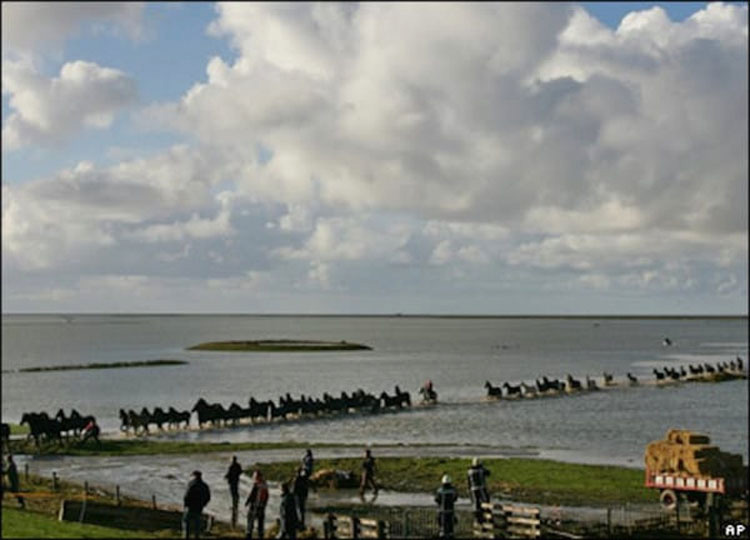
x=689, y=453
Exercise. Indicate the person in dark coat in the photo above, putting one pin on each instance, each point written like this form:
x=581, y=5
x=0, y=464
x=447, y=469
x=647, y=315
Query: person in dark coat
x=195, y=500
x=307, y=463
x=287, y=514
x=300, y=490
x=446, y=498
x=477, y=480
x=13, y=482
x=233, y=479
x=256, y=505
x=368, y=474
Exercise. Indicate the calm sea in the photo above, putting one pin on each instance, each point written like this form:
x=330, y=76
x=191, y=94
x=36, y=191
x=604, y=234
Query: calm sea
x=458, y=354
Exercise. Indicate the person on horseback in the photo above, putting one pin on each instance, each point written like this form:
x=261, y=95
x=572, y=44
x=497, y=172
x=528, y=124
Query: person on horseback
x=477, y=480
x=368, y=474
x=445, y=498
x=91, y=431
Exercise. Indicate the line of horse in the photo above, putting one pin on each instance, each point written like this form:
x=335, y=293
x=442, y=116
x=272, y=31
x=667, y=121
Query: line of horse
x=546, y=387
x=216, y=414
x=699, y=372
x=543, y=387
x=44, y=428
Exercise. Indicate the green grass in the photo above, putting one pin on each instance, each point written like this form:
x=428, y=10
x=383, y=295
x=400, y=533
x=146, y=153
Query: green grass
x=102, y=365
x=533, y=480
x=279, y=345
x=16, y=429
x=143, y=447
x=26, y=524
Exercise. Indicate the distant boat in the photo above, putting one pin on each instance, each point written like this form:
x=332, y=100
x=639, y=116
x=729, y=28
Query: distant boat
x=667, y=342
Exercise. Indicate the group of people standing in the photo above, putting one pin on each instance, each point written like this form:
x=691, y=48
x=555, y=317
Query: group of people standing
x=293, y=499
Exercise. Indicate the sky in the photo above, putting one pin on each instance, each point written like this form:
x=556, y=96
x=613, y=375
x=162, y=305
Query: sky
x=375, y=158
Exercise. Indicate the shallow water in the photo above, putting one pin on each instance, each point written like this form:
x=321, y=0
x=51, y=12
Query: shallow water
x=457, y=354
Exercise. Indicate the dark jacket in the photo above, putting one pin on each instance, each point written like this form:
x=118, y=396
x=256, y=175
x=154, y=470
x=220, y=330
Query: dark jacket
x=477, y=478
x=445, y=498
x=300, y=486
x=288, y=512
x=197, y=495
x=234, y=473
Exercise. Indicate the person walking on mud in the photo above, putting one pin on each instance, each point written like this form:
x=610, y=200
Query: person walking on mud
x=300, y=489
x=287, y=514
x=477, y=480
x=233, y=479
x=256, y=505
x=446, y=498
x=196, y=498
x=368, y=474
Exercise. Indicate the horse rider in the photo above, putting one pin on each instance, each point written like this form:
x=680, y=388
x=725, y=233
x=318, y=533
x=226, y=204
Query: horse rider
x=233, y=479
x=446, y=498
x=91, y=431
x=368, y=474
x=477, y=480
x=196, y=498
x=256, y=505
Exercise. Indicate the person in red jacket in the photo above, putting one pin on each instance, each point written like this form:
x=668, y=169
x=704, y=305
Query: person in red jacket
x=256, y=505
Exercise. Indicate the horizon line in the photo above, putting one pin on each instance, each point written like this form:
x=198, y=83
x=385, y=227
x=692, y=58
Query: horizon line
x=394, y=315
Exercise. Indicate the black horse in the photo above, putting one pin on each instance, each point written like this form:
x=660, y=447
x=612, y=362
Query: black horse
x=573, y=384
x=177, y=417
x=512, y=391
x=42, y=427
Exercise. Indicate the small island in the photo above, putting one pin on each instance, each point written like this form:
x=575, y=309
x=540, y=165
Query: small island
x=280, y=345
x=101, y=365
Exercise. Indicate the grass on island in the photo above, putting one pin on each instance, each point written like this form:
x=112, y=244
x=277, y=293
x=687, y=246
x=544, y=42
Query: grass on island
x=279, y=345
x=102, y=365
x=533, y=480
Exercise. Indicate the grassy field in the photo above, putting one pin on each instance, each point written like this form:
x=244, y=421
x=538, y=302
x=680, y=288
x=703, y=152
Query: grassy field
x=533, y=480
x=26, y=524
x=281, y=345
x=16, y=429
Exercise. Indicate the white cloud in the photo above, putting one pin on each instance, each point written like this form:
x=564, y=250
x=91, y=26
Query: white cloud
x=33, y=25
x=490, y=147
x=49, y=111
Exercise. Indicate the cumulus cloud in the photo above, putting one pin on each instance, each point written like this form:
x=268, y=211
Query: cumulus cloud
x=369, y=147
x=50, y=110
x=29, y=26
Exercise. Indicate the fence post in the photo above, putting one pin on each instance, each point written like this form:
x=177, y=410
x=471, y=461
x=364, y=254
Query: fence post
x=83, y=505
x=86, y=487
x=609, y=521
x=117, y=495
x=356, y=528
x=406, y=523
x=54, y=480
x=26, y=471
x=153, y=501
